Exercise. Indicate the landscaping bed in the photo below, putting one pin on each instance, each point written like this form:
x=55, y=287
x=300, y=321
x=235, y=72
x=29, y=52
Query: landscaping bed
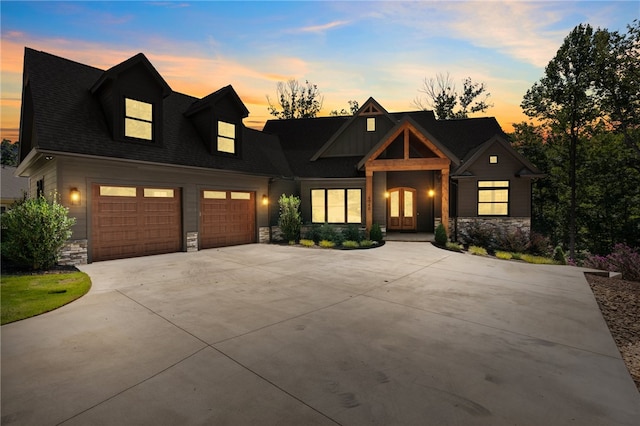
x=619, y=302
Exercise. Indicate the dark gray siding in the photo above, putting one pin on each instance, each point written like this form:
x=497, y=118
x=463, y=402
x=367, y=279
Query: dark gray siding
x=506, y=169
x=355, y=140
x=82, y=173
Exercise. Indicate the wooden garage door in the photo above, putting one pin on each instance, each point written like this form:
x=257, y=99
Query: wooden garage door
x=227, y=218
x=132, y=221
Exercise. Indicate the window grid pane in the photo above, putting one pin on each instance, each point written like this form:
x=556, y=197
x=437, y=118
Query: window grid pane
x=317, y=206
x=158, y=193
x=335, y=206
x=117, y=191
x=493, y=198
x=139, y=110
x=226, y=145
x=354, y=206
x=138, y=129
x=215, y=195
x=240, y=195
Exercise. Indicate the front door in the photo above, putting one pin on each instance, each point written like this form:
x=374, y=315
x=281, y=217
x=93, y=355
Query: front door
x=401, y=212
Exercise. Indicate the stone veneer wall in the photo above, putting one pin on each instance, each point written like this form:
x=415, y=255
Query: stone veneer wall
x=74, y=252
x=264, y=234
x=509, y=224
x=192, y=241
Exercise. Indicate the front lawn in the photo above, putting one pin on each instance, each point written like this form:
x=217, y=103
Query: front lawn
x=24, y=296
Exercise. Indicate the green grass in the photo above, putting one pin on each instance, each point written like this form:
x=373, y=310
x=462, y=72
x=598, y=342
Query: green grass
x=25, y=296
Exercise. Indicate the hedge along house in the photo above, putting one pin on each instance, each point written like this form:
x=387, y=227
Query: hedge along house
x=146, y=170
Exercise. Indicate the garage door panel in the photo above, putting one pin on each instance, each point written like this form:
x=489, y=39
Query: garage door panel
x=127, y=226
x=228, y=219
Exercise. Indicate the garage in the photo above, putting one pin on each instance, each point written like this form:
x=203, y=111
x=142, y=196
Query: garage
x=227, y=218
x=130, y=221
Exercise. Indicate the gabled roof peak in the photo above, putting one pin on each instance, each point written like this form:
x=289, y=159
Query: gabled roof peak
x=371, y=107
x=136, y=60
x=213, y=98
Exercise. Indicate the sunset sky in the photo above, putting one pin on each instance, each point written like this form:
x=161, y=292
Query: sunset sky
x=351, y=49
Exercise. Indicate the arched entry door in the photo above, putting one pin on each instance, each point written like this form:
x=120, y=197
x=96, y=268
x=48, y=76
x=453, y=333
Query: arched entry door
x=401, y=211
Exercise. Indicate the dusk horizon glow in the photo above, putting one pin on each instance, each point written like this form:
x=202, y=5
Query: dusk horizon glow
x=351, y=50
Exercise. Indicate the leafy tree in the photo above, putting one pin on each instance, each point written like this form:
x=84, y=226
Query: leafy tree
x=564, y=101
x=290, y=220
x=9, y=153
x=34, y=231
x=353, y=109
x=441, y=96
x=296, y=100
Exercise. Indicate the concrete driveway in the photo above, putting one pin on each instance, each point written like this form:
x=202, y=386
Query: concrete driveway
x=405, y=334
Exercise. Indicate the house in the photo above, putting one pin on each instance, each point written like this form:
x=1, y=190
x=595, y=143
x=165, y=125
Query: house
x=146, y=170
x=13, y=188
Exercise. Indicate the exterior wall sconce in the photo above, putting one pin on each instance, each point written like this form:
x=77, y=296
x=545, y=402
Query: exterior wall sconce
x=431, y=193
x=265, y=200
x=74, y=196
x=386, y=194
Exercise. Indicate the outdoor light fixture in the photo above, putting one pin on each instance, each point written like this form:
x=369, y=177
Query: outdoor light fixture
x=431, y=193
x=265, y=200
x=74, y=196
x=386, y=194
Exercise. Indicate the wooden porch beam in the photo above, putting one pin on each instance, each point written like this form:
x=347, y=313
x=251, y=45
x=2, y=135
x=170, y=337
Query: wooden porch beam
x=444, y=190
x=406, y=144
x=369, y=200
x=407, y=164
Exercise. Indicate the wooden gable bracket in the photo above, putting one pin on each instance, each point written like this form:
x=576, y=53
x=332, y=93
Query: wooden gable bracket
x=441, y=162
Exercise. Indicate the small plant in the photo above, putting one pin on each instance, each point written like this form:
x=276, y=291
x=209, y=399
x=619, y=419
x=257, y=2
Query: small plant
x=350, y=244
x=454, y=247
x=352, y=233
x=330, y=233
x=505, y=255
x=480, y=234
x=307, y=243
x=514, y=240
x=441, y=236
x=623, y=259
x=516, y=256
x=34, y=231
x=367, y=243
x=537, y=260
x=539, y=244
x=290, y=220
x=478, y=251
x=375, y=233
x=327, y=244
x=559, y=256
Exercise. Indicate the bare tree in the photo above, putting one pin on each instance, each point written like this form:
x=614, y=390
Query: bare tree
x=296, y=100
x=440, y=95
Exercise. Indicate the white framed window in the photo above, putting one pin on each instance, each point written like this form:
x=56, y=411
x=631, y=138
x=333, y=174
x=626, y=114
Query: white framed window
x=138, y=119
x=493, y=198
x=226, y=137
x=336, y=205
x=371, y=124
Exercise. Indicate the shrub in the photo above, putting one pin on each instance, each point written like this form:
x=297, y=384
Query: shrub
x=367, y=243
x=539, y=244
x=307, y=243
x=504, y=255
x=330, y=233
x=478, y=251
x=350, y=244
x=352, y=233
x=480, y=234
x=375, y=233
x=516, y=256
x=454, y=246
x=559, y=256
x=327, y=244
x=441, y=236
x=514, y=240
x=623, y=259
x=34, y=231
x=538, y=260
x=313, y=233
x=290, y=220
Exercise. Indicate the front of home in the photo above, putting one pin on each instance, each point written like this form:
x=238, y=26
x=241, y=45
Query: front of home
x=146, y=170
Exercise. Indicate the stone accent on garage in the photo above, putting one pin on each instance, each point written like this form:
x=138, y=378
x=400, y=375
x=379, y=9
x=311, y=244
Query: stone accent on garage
x=74, y=252
x=264, y=234
x=192, y=241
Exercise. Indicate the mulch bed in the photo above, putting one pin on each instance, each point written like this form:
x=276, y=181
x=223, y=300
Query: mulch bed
x=619, y=302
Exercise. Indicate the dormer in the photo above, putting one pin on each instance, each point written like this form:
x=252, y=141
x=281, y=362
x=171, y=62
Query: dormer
x=218, y=120
x=131, y=94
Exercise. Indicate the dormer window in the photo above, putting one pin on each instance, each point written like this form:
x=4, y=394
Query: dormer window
x=371, y=124
x=138, y=119
x=226, y=137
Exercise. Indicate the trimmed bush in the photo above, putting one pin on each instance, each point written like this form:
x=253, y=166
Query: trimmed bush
x=478, y=251
x=505, y=255
x=290, y=220
x=441, y=236
x=514, y=241
x=352, y=233
x=559, y=256
x=538, y=260
x=327, y=244
x=623, y=259
x=34, y=231
x=480, y=234
x=539, y=244
x=454, y=247
x=367, y=243
x=350, y=244
x=375, y=233
x=330, y=233
x=307, y=243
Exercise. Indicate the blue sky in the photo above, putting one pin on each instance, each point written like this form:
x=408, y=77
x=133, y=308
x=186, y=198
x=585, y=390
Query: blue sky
x=350, y=49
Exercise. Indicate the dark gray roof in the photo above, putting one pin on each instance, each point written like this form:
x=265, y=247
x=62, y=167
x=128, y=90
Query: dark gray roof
x=13, y=187
x=68, y=118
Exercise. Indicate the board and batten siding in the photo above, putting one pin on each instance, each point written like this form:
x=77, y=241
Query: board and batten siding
x=82, y=173
x=356, y=140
